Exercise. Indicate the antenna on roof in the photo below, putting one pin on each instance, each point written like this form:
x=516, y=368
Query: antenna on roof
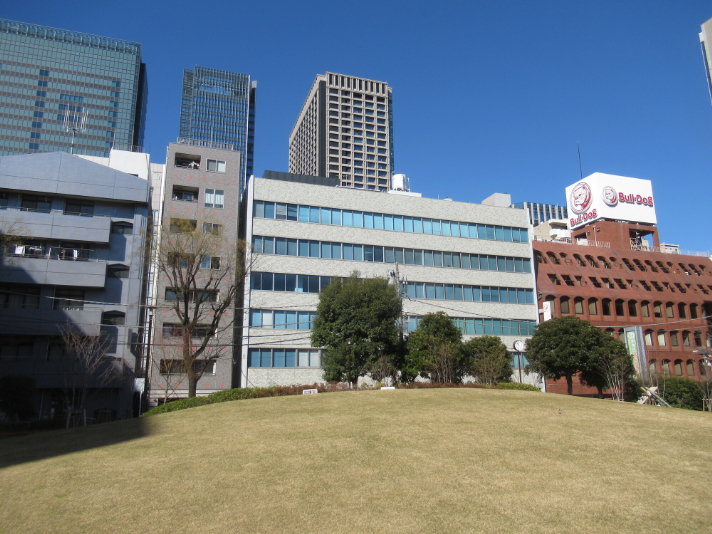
x=75, y=120
x=579, y=152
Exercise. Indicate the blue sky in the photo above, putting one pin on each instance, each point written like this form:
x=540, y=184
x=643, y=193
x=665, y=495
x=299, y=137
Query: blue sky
x=488, y=96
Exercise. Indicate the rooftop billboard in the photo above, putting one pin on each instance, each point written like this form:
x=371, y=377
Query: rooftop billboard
x=606, y=196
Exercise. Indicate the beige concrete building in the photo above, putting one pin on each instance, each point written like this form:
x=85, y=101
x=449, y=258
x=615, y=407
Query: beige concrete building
x=345, y=131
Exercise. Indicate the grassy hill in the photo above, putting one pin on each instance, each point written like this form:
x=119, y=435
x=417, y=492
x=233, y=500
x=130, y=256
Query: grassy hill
x=459, y=460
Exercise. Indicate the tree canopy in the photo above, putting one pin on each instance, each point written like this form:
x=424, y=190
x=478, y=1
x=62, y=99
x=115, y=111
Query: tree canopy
x=490, y=361
x=435, y=351
x=562, y=347
x=356, y=322
x=608, y=366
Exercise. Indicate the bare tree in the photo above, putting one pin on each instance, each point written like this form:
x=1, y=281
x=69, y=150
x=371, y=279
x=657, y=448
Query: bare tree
x=203, y=273
x=87, y=366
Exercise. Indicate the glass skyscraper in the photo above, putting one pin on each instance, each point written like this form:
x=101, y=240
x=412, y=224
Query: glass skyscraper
x=62, y=90
x=218, y=107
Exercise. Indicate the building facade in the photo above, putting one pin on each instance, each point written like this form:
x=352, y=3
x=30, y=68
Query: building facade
x=75, y=262
x=345, y=131
x=68, y=91
x=201, y=192
x=218, y=107
x=614, y=272
x=706, y=43
x=539, y=213
x=470, y=261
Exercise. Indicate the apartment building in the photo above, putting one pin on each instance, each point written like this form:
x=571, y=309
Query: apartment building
x=201, y=195
x=472, y=261
x=614, y=272
x=345, y=131
x=75, y=261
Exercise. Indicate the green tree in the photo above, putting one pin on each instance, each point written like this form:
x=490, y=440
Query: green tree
x=608, y=366
x=561, y=347
x=356, y=321
x=435, y=351
x=490, y=361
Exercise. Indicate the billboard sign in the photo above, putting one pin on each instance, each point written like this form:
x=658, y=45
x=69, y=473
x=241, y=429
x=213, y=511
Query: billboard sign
x=633, y=338
x=606, y=196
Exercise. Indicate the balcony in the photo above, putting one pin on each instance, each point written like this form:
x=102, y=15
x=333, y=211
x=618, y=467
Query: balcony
x=31, y=264
x=55, y=224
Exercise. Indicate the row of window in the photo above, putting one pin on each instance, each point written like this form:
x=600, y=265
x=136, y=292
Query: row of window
x=372, y=253
x=190, y=225
x=669, y=368
x=380, y=221
x=190, y=161
x=214, y=198
x=619, y=283
x=287, y=319
x=623, y=308
x=476, y=326
x=643, y=266
x=283, y=358
x=661, y=337
x=177, y=367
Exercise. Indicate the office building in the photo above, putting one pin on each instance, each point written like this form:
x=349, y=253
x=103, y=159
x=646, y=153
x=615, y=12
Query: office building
x=615, y=273
x=345, y=131
x=201, y=191
x=218, y=107
x=706, y=43
x=76, y=261
x=471, y=261
x=539, y=213
x=62, y=90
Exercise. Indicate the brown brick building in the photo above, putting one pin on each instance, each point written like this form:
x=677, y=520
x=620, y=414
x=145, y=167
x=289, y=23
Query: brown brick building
x=606, y=275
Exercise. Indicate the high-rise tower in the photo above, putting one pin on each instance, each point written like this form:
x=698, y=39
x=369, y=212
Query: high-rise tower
x=706, y=42
x=69, y=91
x=345, y=131
x=218, y=107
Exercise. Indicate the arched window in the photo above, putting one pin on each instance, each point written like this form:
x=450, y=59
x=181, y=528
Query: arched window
x=684, y=269
x=691, y=368
x=681, y=311
x=565, y=310
x=693, y=311
x=704, y=369
x=639, y=265
x=564, y=258
x=606, y=306
x=670, y=310
x=645, y=308
x=552, y=302
x=553, y=258
x=620, y=305
x=661, y=338
x=632, y=308
x=662, y=267
x=591, y=261
x=592, y=307
x=694, y=270
x=653, y=367
x=628, y=264
x=539, y=257
x=658, y=310
x=604, y=262
x=674, y=341
x=580, y=262
x=652, y=267
x=685, y=338
x=578, y=305
x=648, y=338
x=678, y=367
x=666, y=368
x=698, y=338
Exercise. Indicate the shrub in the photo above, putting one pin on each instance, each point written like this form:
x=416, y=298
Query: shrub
x=682, y=393
x=517, y=386
x=180, y=404
x=437, y=385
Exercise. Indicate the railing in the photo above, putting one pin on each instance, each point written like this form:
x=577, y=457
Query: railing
x=206, y=144
x=180, y=199
x=52, y=253
x=670, y=250
x=570, y=241
x=128, y=148
x=191, y=165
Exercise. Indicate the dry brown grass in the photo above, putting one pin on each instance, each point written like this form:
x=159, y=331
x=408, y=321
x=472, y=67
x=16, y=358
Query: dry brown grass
x=460, y=460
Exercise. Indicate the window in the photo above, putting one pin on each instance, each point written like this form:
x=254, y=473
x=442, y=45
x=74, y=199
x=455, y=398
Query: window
x=183, y=226
x=117, y=271
x=653, y=367
x=698, y=339
x=68, y=299
x=606, y=306
x=79, y=207
x=185, y=194
x=212, y=228
x=645, y=309
x=578, y=306
x=216, y=165
x=17, y=296
x=693, y=311
x=649, y=338
x=620, y=308
x=554, y=280
x=214, y=198
x=632, y=308
x=678, y=367
x=208, y=262
x=592, y=309
x=657, y=310
x=674, y=342
x=669, y=310
x=122, y=228
x=661, y=338
x=682, y=312
x=565, y=306
x=685, y=338
x=690, y=368
x=177, y=367
x=37, y=203
x=113, y=318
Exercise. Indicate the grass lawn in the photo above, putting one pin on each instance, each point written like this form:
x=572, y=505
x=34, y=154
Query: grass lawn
x=429, y=460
